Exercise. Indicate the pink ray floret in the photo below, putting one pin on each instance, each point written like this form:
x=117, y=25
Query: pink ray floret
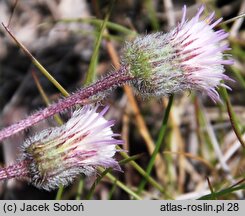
x=57, y=155
x=200, y=48
x=189, y=57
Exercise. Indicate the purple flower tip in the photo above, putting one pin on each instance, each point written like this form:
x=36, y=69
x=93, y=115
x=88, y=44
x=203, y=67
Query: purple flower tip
x=57, y=155
x=188, y=57
x=200, y=48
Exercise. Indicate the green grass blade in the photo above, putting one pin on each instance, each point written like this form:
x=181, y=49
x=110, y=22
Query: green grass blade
x=238, y=75
x=233, y=118
x=152, y=14
x=224, y=192
x=59, y=193
x=124, y=187
x=124, y=161
x=94, y=59
x=99, y=22
x=80, y=189
x=158, y=144
x=142, y=172
x=37, y=63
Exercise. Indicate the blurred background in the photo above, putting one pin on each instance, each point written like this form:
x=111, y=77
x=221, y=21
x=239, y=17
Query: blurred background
x=200, y=142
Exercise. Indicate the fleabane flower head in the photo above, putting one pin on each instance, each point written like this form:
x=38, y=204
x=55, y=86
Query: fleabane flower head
x=188, y=57
x=57, y=155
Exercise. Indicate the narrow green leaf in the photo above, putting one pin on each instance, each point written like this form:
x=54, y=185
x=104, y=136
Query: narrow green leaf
x=99, y=22
x=158, y=144
x=223, y=192
x=94, y=59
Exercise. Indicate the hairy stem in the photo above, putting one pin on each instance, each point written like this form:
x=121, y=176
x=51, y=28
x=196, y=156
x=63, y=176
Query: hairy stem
x=111, y=81
x=14, y=171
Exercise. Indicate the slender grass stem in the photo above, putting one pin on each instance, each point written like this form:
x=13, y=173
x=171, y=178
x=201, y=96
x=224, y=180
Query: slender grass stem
x=36, y=63
x=59, y=193
x=226, y=191
x=94, y=59
x=98, y=22
x=80, y=189
x=123, y=186
x=158, y=144
x=232, y=116
x=144, y=174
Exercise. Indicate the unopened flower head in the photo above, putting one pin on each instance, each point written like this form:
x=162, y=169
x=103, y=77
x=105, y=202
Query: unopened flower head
x=188, y=57
x=57, y=155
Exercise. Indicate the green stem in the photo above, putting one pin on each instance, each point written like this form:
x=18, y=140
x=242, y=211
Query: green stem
x=144, y=174
x=131, y=161
x=152, y=14
x=59, y=193
x=238, y=75
x=232, y=116
x=37, y=64
x=80, y=189
x=98, y=22
x=123, y=186
x=105, y=172
x=96, y=182
x=112, y=191
x=158, y=144
x=94, y=59
x=223, y=192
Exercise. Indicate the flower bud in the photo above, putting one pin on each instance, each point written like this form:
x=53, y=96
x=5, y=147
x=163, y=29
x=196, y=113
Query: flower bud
x=188, y=57
x=57, y=155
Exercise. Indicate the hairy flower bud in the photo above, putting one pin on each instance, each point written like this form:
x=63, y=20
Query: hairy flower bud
x=57, y=155
x=188, y=57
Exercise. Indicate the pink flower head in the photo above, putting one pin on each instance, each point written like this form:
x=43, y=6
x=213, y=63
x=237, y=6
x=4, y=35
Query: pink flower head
x=200, y=52
x=188, y=57
x=57, y=155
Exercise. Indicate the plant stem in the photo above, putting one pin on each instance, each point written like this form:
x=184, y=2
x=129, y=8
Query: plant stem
x=232, y=116
x=143, y=173
x=36, y=63
x=94, y=58
x=60, y=192
x=158, y=144
x=14, y=171
x=101, y=86
x=122, y=186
